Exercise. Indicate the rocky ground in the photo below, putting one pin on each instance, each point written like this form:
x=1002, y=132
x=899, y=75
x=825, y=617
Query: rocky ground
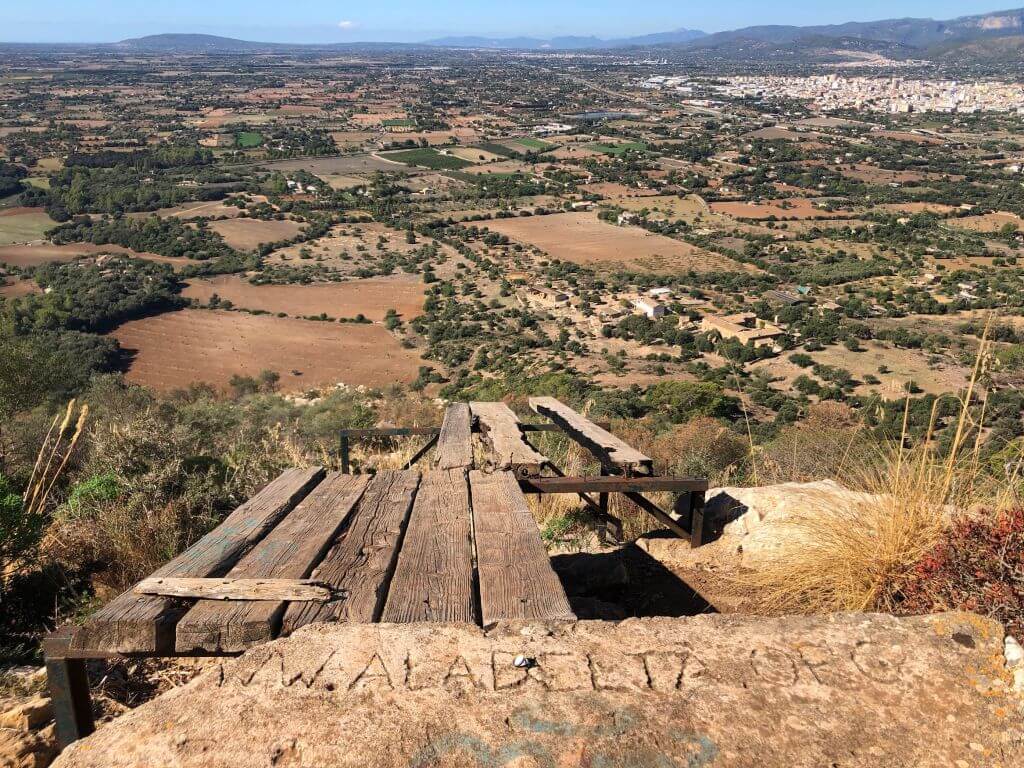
x=711, y=690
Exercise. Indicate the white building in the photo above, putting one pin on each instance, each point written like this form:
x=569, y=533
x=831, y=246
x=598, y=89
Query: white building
x=649, y=307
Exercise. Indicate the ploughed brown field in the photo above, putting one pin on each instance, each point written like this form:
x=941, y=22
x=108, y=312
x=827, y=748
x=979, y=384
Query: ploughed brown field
x=584, y=239
x=371, y=298
x=248, y=234
x=15, y=287
x=32, y=255
x=176, y=349
x=790, y=208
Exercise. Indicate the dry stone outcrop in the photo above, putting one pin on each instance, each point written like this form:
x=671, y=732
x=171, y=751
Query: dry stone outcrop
x=713, y=690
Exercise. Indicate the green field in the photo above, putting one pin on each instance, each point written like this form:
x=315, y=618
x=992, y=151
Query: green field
x=402, y=122
x=494, y=149
x=24, y=227
x=535, y=144
x=619, y=149
x=428, y=158
x=249, y=139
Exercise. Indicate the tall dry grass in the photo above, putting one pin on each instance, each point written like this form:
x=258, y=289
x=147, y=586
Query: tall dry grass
x=851, y=552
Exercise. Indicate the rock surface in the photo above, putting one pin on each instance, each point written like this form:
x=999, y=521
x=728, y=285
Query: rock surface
x=24, y=749
x=848, y=690
x=750, y=522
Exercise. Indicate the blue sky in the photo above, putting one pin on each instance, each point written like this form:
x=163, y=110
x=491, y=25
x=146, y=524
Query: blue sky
x=414, y=20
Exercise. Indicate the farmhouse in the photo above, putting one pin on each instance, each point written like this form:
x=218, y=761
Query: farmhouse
x=649, y=307
x=552, y=295
x=744, y=327
x=784, y=298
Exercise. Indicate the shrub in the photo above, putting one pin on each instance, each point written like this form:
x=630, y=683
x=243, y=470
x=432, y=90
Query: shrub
x=682, y=400
x=19, y=533
x=977, y=566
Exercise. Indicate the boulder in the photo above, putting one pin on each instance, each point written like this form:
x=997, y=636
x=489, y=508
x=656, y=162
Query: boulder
x=21, y=749
x=712, y=690
x=27, y=714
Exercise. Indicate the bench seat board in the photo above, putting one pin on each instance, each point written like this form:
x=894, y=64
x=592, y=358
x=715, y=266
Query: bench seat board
x=455, y=441
x=290, y=551
x=605, y=446
x=433, y=580
x=363, y=556
x=502, y=433
x=515, y=573
x=143, y=624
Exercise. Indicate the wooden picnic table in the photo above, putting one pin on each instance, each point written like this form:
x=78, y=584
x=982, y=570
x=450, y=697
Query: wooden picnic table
x=454, y=544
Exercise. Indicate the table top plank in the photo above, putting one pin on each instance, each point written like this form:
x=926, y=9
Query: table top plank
x=502, y=433
x=455, y=442
x=516, y=577
x=433, y=580
x=362, y=558
x=133, y=623
x=290, y=551
x=600, y=442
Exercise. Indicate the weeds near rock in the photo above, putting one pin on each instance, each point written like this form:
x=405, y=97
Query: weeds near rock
x=855, y=552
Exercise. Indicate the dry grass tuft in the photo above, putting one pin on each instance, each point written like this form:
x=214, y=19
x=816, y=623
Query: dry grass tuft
x=852, y=552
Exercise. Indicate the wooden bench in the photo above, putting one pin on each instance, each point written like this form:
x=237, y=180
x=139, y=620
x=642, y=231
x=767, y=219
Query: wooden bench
x=393, y=547
x=456, y=544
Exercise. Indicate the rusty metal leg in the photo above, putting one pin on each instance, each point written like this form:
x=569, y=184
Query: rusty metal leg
x=72, y=705
x=700, y=528
x=345, y=462
x=602, y=498
x=683, y=510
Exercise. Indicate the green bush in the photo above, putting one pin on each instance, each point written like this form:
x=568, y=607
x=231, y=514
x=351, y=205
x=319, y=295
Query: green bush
x=19, y=533
x=94, y=490
x=685, y=400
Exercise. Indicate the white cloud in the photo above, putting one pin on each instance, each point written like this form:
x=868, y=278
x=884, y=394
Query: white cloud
x=346, y=25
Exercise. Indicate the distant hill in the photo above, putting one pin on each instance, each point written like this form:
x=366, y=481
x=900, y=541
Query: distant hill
x=991, y=36
x=214, y=44
x=916, y=33
x=569, y=43
x=194, y=43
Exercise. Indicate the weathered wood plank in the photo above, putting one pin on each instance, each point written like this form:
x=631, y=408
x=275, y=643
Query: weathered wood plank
x=290, y=551
x=363, y=557
x=134, y=623
x=455, y=442
x=516, y=578
x=605, y=446
x=235, y=589
x=504, y=436
x=433, y=580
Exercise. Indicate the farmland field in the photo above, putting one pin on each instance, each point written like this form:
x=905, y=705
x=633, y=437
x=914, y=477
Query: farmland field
x=619, y=149
x=371, y=298
x=341, y=248
x=428, y=158
x=202, y=209
x=989, y=222
x=23, y=225
x=42, y=253
x=248, y=234
x=249, y=139
x=345, y=164
x=176, y=349
x=14, y=288
x=584, y=239
x=790, y=208
x=535, y=144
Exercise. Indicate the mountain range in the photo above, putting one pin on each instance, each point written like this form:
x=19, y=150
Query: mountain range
x=977, y=35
